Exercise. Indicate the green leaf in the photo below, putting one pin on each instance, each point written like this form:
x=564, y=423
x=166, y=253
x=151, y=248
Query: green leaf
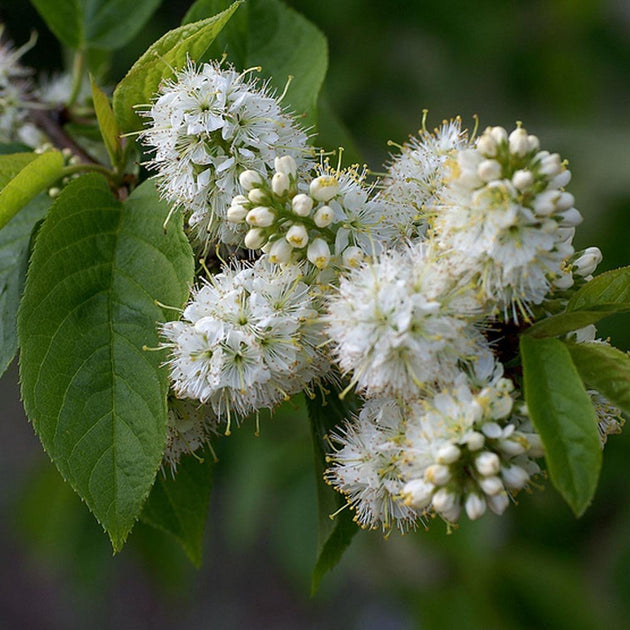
x=171, y=52
x=179, y=504
x=107, y=24
x=233, y=39
x=611, y=287
x=12, y=163
x=604, y=369
x=14, y=250
x=563, y=323
x=334, y=535
x=64, y=19
x=107, y=124
x=564, y=417
x=96, y=398
x=110, y=24
x=35, y=176
x=284, y=43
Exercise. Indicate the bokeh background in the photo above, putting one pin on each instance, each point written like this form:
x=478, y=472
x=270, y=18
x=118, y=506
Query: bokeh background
x=563, y=68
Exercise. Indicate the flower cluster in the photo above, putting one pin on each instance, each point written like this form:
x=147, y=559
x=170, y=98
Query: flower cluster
x=439, y=433
x=248, y=339
x=464, y=448
x=402, y=324
x=331, y=219
x=207, y=126
x=405, y=286
x=505, y=217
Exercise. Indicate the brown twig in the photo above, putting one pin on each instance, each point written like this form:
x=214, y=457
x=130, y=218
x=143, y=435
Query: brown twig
x=51, y=121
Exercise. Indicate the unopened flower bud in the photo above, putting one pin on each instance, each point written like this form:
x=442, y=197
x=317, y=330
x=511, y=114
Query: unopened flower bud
x=491, y=485
x=489, y=170
x=417, y=493
x=324, y=188
x=536, y=448
x=561, y=180
x=297, y=236
x=475, y=506
x=545, y=203
x=586, y=264
x=448, y=454
x=323, y=216
x=565, y=233
x=302, y=205
x=280, y=184
x=352, y=256
x=250, y=179
x=286, y=165
x=475, y=440
x=551, y=165
x=514, y=477
x=570, y=218
x=444, y=500
x=549, y=226
x=487, y=145
x=258, y=196
x=512, y=448
x=563, y=282
x=565, y=201
x=437, y=474
x=499, y=134
x=519, y=143
x=488, y=463
x=280, y=252
x=236, y=213
x=498, y=502
x=318, y=253
x=522, y=179
x=492, y=430
x=255, y=238
x=534, y=143
x=260, y=216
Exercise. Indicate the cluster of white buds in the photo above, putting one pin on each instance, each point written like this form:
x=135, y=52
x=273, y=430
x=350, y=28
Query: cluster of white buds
x=461, y=449
x=209, y=125
x=483, y=456
x=506, y=217
x=330, y=219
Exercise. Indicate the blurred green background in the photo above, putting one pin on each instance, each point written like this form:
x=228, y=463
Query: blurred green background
x=563, y=68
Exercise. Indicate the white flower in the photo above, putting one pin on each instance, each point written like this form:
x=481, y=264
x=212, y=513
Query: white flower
x=217, y=134
x=366, y=466
x=417, y=175
x=190, y=426
x=401, y=324
x=503, y=217
x=248, y=339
